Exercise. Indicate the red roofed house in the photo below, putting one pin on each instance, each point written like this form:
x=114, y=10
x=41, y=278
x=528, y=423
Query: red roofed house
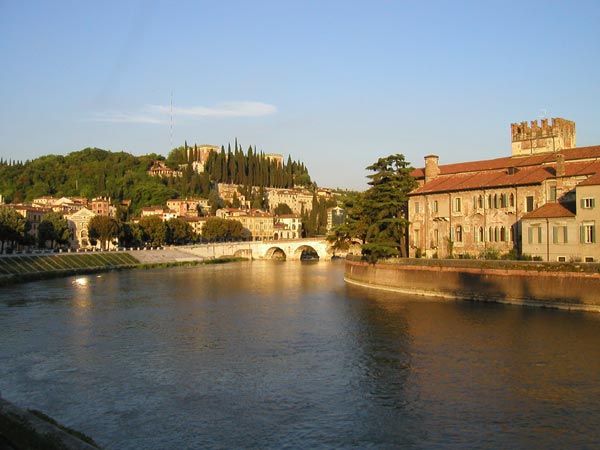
x=481, y=207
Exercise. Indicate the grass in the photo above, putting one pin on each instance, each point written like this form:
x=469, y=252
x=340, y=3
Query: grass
x=21, y=268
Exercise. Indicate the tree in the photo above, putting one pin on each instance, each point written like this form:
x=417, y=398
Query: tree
x=179, y=232
x=130, y=235
x=13, y=227
x=282, y=209
x=104, y=229
x=154, y=230
x=54, y=228
x=216, y=228
x=214, y=201
x=385, y=206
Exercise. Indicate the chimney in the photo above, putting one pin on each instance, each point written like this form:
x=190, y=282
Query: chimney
x=432, y=169
x=560, y=165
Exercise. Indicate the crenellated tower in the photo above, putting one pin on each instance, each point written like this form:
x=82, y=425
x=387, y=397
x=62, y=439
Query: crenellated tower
x=545, y=138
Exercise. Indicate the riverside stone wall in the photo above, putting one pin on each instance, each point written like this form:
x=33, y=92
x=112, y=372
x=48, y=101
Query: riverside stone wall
x=517, y=283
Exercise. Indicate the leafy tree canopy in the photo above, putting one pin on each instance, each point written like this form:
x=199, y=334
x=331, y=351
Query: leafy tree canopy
x=217, y=228
x=154, y=230
x=103, y=229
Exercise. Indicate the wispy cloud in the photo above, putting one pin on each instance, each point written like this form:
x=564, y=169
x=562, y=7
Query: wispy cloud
x=160, y=114
x=220, y=111
x=123, y=117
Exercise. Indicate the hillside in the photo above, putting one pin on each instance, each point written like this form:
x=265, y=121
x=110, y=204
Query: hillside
x=94, y=172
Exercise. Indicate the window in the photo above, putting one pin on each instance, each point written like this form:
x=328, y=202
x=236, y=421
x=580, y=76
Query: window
x=502, y=234
x=480, y=201
x=559, y=234
x=587, y=203
x=589, y=259
x=561, y=258
x=588, y=233
x=552, y=193
x=417, y=207
x=417, y=238
x=534, y=234
x=458, y=234
x=481, y=234
x=495, y=200
x=457, y=204
x=512, y=200
x=529, y=203
x=434, y=206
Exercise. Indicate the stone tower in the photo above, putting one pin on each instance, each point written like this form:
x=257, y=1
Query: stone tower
x=548, y=138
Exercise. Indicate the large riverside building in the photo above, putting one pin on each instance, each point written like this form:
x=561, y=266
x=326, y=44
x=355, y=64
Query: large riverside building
x=518, y=202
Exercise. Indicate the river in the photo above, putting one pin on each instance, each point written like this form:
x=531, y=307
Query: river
x=286, y=355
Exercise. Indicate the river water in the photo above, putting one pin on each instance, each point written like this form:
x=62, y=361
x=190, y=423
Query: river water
x=286, y=355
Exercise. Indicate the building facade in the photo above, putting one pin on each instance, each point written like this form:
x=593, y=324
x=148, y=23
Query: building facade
x=476, y=208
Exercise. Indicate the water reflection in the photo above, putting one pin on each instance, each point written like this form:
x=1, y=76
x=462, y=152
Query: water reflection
x=272, y=355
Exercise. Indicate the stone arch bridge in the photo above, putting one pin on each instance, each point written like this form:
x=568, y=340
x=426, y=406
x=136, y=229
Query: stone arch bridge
x=282, y=249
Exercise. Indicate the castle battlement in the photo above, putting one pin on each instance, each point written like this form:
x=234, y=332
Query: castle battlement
x=534, y=138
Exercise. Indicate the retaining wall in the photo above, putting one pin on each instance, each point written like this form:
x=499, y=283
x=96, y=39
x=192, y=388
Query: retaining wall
x=515, y=283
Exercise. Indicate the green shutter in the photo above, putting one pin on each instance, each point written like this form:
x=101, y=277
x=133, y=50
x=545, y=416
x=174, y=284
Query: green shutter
x=565, y=229
x=592, y=202
x=593, y=227
x=581, y=204
x=530, y=235
x=582, y=234
x=539, y=235
x=555, y=235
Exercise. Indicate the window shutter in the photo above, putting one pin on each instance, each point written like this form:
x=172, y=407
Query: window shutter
x=593, y=230
x=582, y=234
x=581, y=204
x=592, y=202
x=565, y=240
x=539, y=235
x=555, y=235
x=530, y=235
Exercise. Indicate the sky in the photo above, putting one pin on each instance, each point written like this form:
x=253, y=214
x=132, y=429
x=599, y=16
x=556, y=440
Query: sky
x=335, y=84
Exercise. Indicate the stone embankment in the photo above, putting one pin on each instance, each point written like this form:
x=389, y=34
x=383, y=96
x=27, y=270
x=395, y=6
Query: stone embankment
x=28, y=267
x=555, y=285
x=22, y=429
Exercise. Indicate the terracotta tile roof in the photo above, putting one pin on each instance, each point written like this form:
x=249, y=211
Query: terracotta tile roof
x=511, y=171
x=580, y=153
x=594, y=180
x=550, y=210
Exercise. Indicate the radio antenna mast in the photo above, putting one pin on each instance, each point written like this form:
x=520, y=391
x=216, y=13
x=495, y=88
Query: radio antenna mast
x=171, y=129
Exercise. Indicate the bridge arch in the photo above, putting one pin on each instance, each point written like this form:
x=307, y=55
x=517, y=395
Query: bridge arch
x=307, y=251
x=276, y=253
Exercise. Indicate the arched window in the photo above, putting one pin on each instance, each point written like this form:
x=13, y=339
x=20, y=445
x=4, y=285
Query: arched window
x=512, y=233
x=480, y=201
x=503, y=234
x=496, y=234
x=481, y=235
x=495, y=200
x=491, y=234
x=512, y=200
x=490, y=201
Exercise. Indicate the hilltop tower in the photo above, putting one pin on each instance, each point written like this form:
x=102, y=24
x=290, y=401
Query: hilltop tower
x=548, y=138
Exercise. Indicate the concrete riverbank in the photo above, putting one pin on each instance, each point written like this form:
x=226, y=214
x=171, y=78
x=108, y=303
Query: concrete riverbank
x=573, y=287
x=30, y=267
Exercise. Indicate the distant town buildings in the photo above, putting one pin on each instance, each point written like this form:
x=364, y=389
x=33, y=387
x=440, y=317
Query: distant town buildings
x=160, y=169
